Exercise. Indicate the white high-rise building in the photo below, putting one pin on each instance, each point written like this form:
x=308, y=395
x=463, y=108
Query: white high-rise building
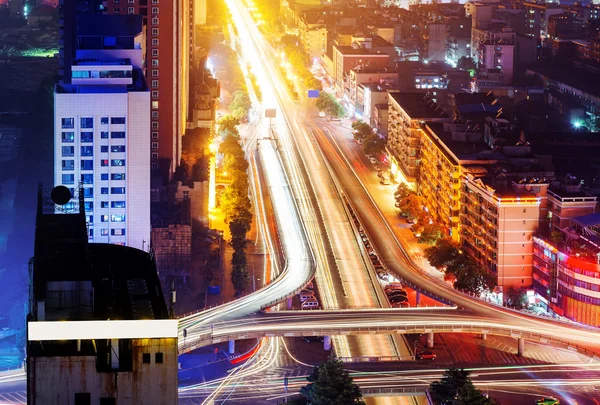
x=102, y=135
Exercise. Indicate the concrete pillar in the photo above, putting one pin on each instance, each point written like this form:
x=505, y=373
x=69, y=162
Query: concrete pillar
x=521, y=347
x=231, y=346
x=483, y=336
x=326, y=342
x=418, y=299
x=289, y=303
x=430, y=340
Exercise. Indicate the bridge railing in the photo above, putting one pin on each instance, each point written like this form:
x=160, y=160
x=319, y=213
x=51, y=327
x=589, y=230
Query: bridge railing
x=375, y=359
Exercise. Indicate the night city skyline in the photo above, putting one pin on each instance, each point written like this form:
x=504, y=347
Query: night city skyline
x=299, y=201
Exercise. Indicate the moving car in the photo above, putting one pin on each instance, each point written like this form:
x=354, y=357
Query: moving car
x=426, y=355
x=310, y=304
x=306, y=296
x=547, y=401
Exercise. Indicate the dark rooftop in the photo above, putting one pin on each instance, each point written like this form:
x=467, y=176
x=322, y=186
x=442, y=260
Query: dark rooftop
x=418, y=105
x=573, y=74
x=587, y=220
x=109, y=25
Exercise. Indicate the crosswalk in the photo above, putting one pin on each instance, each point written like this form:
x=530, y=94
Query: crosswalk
x=19, y=398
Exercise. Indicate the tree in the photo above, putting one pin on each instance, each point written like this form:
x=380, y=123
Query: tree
x=431, y=233
x=466, y=63
x=330, y=384
x=470, y=277
x=374, y=145
x=314, y=84
x=402, y=191
x=361, y=130
x=410, y=207
x=456, y=388
x=228, y=125
x=329, y=105
x=557, y=237
x=443, y=253
x=516, y=297
x=240, y=278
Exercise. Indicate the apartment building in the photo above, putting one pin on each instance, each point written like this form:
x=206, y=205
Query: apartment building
x=313, y=34
x=458, y=41
x=566, y=202
x=498, y=222
x=98, y=329
x=102, y=127
x=406, y=112
x=536, y=18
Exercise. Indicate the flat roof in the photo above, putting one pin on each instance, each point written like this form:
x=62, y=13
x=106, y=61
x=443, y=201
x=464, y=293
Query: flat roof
x=129, y=25
x=418, y=105
x=587, y=220
x=572, y=74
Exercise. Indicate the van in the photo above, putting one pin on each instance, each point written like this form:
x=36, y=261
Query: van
x=306, y=297
x=310, y=304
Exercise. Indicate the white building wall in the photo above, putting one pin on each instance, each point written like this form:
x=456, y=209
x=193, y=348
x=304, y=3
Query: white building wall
x=106, y=192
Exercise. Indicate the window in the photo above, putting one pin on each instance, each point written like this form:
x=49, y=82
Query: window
x=154, y=42
x=104, y=232
x=155, y=104
x=154, y=10
x=154, y=166
x=108, y=401
x=68, y=123
x=103, y=218
x=87, y=151
x=87, y=137
x=68, y=165
x=88, y=192
x=131, y=1
x=117, y=135
x=154, y=2
x=155, y=73
x=104, y=162
x=120, y=232
x=104, y=135
x=68, y=137
x=155, y=156
x=117, y=204
x=155, y=53
x=104, y=149
x=68, y=179
x=154, y=62
x=154, y=32
x=154, y=145
x=524, y=209
x=104, y=120
x=117, y=162
x=87, y=123
x=117, y=120
x=117, y=10
x=88, y=205
x=117, y=176
x=83, y=398
x=154, y=83
x=154, y=93
x=154, y=20
x=104, y=176
x=117, y=190
x=155, y=125
x=117, y=148
x=104, y=190
x=155, y=115
x=87, y=164
x=87, y=178
x=103, y=204
x=158, y=358
x=117, y=218
x=131, y=10
x=68, y=151
x=146, y=358
x=154, y=135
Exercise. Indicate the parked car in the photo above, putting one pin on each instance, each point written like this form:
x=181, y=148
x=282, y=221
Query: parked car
x=426, y=355
x=307, y=296
x=310, y=304
x=310, y=339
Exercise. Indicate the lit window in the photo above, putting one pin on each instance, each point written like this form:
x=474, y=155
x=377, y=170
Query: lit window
x=117, y=148
x=68, y=137
x=117, y=218
x=155, y=114
x=103, y=218
x=117, y=232
x=117, y=162
x=155, y=104
x=104, y=232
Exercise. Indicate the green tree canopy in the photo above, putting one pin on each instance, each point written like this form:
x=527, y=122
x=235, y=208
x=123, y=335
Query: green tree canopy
x=361, y=130
x=330, y=384
x=456, y=388
x=329, y=105
x=443, y=253
x=466, y=63
x=374, y=145
x=431, y=233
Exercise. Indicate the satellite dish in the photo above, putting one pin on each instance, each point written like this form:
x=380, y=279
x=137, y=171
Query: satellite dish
x=60, y=195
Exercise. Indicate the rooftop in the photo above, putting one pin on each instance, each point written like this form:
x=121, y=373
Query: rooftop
x=418, y=105
x=573, y=74
x=129, y=25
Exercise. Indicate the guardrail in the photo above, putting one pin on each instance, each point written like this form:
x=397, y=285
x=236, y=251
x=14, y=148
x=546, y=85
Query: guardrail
x=375, y=359
x=378, y=392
